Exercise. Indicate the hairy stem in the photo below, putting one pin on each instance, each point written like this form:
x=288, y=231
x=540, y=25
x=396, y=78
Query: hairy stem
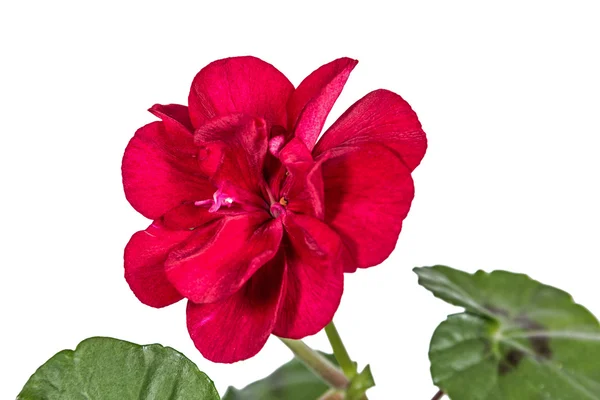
x=339, y=350
x=317, y=363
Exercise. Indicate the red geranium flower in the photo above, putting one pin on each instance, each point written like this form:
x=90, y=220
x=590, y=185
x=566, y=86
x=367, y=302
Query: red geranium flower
x=254, y=223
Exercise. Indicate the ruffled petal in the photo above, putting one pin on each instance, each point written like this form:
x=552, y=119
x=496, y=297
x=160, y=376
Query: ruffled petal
x=220, y=257
x=381, y=117
x=315, y=280
x=237, y=328
x=159, y=175
x=245, y=85
x=303, y=185
x=232, y=151
x=145, y=257
x=313, y=99
x=368, y=192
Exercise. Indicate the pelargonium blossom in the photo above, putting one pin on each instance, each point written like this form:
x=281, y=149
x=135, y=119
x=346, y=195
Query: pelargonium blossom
x=255, y=221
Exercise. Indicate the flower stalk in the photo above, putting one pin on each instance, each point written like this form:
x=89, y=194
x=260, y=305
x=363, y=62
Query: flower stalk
x=339, y=351
x=324, y=369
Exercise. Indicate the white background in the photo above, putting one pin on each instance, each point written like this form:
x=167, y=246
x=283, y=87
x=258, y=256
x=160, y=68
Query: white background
x=508, y=95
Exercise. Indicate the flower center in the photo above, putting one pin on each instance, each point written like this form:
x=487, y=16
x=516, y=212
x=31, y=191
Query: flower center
x=278, y=208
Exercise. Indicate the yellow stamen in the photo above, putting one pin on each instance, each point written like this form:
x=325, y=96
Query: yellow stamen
x=283, y=201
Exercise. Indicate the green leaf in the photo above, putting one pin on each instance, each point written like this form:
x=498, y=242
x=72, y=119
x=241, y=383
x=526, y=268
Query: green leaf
x=291, y=381
x=103, y=368
x=518, y=339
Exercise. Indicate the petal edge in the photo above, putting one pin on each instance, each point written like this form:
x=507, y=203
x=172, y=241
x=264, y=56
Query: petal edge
x=246, y=85
x=380, y=117
x=144, y=257
x=312, y=101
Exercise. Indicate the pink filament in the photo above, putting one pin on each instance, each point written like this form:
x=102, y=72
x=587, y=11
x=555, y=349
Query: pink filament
x=219, y=199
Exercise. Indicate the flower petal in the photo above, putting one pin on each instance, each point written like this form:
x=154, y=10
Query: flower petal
x=237, y=328
x=145, y=256
x=220, y=257
x=313, y=99
x=232, y=153
x=234, y=149
x=175, y=117
x=382, y=117
x=157, y=175
x=303, y=185
x=188, y=216
x=315, y=280
x=368, y=192
x=244, y=85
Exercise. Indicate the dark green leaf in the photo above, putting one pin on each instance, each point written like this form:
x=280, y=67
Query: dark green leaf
x=105, y=369
x=291, y=381
x=518, y=339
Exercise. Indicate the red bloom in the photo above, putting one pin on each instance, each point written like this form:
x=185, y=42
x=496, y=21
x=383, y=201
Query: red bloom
x=254, y=223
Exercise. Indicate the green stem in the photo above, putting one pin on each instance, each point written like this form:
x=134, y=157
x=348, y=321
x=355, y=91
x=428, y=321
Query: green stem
x=339, y=350
x=317, y=363
x=332, y=394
